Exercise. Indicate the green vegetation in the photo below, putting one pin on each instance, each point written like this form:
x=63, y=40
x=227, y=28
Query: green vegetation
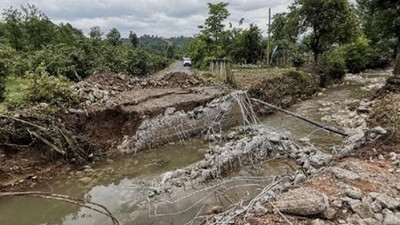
x=334, y=36
x=215, y=42
x=30, y=42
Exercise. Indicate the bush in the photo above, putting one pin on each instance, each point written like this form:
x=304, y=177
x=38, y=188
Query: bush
x=332, y=67
x=139, y=62
x=62, y=59
x=357, y=55
x=378, y=60
x=43, y=88
x=53, y=90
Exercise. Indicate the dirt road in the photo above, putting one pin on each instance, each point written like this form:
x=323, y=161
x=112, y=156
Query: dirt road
x=177, y=66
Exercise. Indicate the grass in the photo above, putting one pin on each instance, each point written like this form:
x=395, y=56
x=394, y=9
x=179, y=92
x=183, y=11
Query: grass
x=16, y=89
x=247, y=77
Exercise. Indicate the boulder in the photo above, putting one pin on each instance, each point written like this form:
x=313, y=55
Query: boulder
x=354, y=193
x=362, y=209
x=386, y=201
x=344, y=174
x=302, y=202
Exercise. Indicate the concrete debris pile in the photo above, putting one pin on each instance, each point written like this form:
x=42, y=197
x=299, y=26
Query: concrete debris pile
x=100, y=88
x=252, y=145
x=179, y=125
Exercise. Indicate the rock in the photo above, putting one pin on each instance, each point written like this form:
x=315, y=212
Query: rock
x=342, y=222
x=362, y=209
x=260, y=209
x=363, y=109
x=380, y=157
x=302, y=202
x=354, y=219
x=85, y=180
x=169, y=111
x=379, y=217
x=385, y=200
x=337, y=203
x=376, y=207
x=354, y=193
x=194, y=174
x=391, y=219
x=300, y=178
x=320, y=159
x=329, y=213
x=393, y=156
x=371, y=221
x=318, y=222
x=215, y=210
x=379, y=130
x=344, y=174
x=151, y=194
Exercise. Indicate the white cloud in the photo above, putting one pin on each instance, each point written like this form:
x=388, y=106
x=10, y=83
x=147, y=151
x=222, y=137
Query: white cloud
x=159, y=17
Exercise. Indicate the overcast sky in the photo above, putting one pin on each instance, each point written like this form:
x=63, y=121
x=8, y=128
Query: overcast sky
x=159, y=17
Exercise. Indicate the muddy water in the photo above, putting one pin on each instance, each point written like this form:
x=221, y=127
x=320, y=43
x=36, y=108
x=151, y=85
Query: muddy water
x=122, y=185
x=335, y=100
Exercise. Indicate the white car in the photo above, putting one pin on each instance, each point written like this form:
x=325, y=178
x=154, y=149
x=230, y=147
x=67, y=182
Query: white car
x=187, y=62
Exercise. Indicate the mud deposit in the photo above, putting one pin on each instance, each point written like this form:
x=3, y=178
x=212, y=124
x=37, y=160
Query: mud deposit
x=171, y=185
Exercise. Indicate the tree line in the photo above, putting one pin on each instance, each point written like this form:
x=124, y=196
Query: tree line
x=335, y=36
x=30, y=43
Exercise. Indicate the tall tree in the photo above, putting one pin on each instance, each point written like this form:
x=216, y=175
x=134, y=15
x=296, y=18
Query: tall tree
x=285, y=26
x=381, y=23
x=13, y=27
x=330, y=22
x=214, y=23
x=247, y=46
x=39, y=29
x=95, y=33
x=133, y=38
x=170, y=51
x=114, y=37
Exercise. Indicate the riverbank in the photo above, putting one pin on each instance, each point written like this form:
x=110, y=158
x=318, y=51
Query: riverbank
x=119, y=114
x=360, y=185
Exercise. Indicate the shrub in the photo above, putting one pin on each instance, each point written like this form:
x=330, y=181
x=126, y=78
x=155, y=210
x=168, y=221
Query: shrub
x=139, y=62
x=378, y=60
x=357, y=55
x=53, y=90
x=62, y=59
x=42, y=88
x=332, y=67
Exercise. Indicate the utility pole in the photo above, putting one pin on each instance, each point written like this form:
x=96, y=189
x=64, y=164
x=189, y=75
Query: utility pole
x=269, y=38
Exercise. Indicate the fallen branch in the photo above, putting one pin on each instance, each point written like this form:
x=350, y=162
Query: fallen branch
x=48, y=143
x=302, y=118
x=24, y=122
x=65, y=198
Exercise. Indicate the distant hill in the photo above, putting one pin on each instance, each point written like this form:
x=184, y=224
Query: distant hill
x=152, y=41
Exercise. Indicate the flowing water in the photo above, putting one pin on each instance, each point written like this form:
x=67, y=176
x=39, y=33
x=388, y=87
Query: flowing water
x=122, y=185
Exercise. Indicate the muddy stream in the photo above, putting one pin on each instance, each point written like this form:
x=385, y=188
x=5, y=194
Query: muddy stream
x=122, y=185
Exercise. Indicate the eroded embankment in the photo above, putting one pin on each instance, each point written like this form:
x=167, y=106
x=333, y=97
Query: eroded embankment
x=112, y=107
x=120, y=113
